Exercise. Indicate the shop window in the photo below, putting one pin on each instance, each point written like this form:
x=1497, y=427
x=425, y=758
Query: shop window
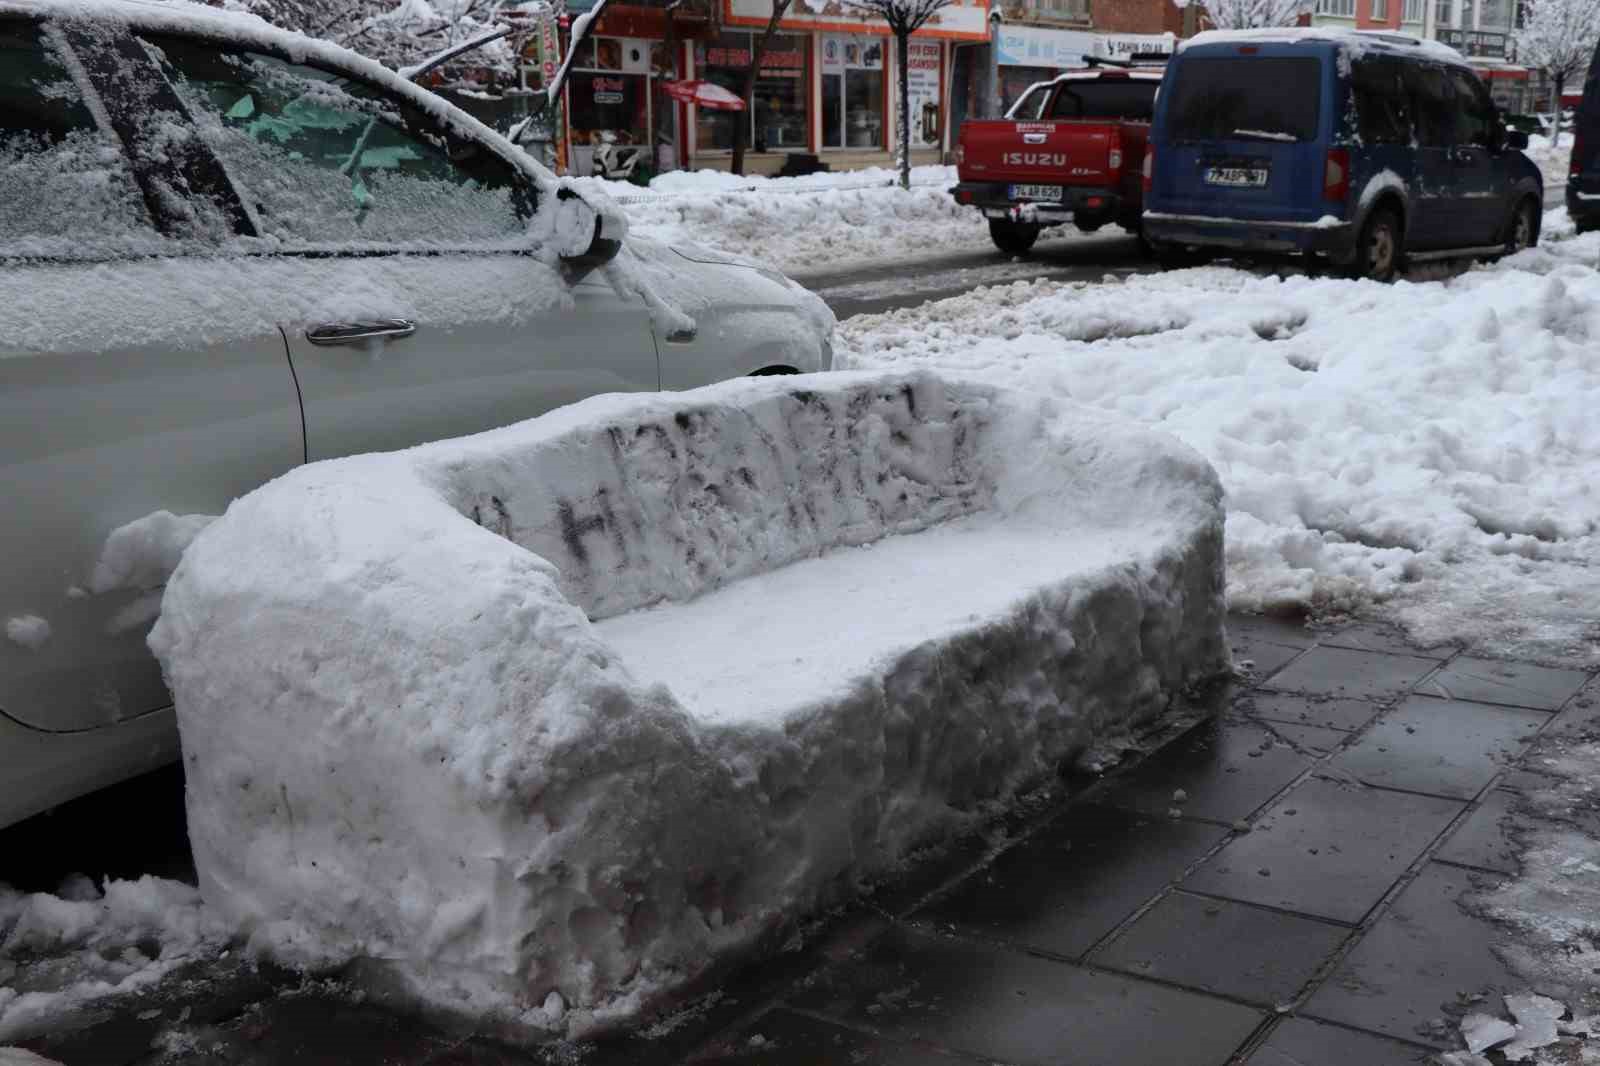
x=778, y=119
x=852, y=92
x=609, y=92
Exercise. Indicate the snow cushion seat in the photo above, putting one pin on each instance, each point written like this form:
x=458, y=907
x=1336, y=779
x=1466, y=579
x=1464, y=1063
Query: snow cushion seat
x=543, y=723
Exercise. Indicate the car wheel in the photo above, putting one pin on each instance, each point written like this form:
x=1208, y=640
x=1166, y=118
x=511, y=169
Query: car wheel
x=1524, y=232
x=1013, y=238
x=1379, y=250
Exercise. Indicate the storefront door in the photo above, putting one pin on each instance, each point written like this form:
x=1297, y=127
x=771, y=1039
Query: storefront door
x=852, y=92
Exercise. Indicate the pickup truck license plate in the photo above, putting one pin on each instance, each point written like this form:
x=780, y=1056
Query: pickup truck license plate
x=1036, y=192
x=1245, y=177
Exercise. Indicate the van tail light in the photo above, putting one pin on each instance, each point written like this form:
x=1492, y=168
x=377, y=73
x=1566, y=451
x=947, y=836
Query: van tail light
x=1114, y=156
x=1149, y=166
x=1575, y=168
x=1336, y=176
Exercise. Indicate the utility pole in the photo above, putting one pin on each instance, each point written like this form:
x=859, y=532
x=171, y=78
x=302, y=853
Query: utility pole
x=991, y=103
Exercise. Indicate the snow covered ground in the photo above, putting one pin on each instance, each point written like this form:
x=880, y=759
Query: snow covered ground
x=1552, y=158
x=1422, y=451
x=820, y=222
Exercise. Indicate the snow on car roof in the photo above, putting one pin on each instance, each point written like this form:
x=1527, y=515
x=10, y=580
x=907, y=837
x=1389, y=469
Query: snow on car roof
x=250, y=31
x=1355, y=42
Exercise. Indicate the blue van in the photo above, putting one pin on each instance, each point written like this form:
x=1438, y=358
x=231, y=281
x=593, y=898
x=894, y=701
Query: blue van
x=1367, y=149
x=1583, y=177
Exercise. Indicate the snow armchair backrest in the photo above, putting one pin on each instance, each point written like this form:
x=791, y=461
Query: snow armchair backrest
x=667, y=501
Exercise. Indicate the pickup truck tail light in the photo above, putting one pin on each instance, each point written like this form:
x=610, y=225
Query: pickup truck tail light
x=1336, y=176
x=1149, y=166
x=1114, y=155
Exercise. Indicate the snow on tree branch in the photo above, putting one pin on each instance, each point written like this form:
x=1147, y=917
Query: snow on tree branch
x=1558, y=36
x=903, y=16
x=1250, y=14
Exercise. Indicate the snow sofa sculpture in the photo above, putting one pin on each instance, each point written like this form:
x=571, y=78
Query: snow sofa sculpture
x=542, y=723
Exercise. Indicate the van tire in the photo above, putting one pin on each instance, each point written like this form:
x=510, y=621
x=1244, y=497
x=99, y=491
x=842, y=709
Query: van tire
x=1013, y=238
x=1380, y=247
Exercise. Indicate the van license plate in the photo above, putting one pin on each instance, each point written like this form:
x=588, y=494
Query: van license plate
x=1036, y=192
x=1246, y=177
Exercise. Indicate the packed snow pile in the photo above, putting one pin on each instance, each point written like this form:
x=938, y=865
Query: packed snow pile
x=547, y=721
x=807, y=224
x=1553, y=158
x=63, y=952
x=1424, y=449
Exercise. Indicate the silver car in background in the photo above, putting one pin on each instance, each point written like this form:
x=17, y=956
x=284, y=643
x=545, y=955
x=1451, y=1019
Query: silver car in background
x=227, y=249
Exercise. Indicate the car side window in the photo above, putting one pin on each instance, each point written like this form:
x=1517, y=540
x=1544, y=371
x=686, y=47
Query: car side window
x=1475, y=111
x=1383, y=109
x=54, y=155
x=1433, y=104
x=322, y=158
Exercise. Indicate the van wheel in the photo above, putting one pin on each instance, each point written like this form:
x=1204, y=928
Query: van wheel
x=1524, y=232
x=1013, y=238
x=1379, y=250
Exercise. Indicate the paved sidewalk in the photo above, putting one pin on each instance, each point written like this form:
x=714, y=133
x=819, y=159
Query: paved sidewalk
x=1275, y=887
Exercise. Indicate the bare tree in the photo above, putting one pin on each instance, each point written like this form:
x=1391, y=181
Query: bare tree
x=1250, y=14
x=904, y=17
x=394, y=32
x=758, y=51
x=1558, y=38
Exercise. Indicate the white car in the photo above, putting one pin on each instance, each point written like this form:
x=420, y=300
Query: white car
x=225, y=250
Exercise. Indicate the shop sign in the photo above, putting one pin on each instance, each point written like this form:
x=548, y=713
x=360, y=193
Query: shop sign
x=1031, y=46
x=965, y=20
x=851, y=53
x=1121, y=46
x=1476, y=42
x=608, y=90
x=922, y=91
x=789, y=64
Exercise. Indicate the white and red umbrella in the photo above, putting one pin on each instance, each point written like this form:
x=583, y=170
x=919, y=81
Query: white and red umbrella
x=703, y=94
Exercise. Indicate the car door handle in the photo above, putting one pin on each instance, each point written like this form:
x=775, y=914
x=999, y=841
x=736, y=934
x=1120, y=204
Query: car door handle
x=331, y=333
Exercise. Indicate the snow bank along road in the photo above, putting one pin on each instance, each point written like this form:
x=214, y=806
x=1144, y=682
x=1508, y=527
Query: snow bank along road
x=1425, y=450
x=833, y=617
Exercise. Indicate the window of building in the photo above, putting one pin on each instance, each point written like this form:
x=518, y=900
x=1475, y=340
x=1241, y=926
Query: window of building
x=1067, y=10
x=1380, y=10
x=1412, y=11
x=778, y=120
x=852, y=92
x=1496, y=15
x=1444, y=13
x=1339, y=8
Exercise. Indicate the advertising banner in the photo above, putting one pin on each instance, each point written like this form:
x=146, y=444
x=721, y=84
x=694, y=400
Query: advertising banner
x=922, y=90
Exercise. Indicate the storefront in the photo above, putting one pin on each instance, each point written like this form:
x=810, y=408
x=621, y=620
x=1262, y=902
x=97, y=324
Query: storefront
x=827, y=85
x=611, y=96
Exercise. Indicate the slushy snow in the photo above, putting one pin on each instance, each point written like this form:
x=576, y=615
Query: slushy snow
x=28, y=631
x=1424, y=451
x=546, y=722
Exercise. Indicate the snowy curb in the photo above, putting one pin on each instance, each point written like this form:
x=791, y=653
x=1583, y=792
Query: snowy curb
x=879, y=604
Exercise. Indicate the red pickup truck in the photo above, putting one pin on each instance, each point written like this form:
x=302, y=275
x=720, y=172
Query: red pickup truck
x=1071, y=148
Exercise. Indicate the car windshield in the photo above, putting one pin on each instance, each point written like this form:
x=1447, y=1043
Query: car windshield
x=1269, y=98
x=1108, y=99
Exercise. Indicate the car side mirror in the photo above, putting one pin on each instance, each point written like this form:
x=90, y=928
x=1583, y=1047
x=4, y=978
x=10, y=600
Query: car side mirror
x=1516, y=140
x=580, y=238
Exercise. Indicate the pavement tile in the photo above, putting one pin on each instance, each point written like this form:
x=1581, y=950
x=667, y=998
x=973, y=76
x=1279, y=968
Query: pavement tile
x=1514, y=684
x=1312, y=741
x=1327, y=849
x=1368, y=636
x=784, y=1038
x=1352, y=674
x=1226, y=768
x=1308, y=710
x=315, y=1030
x=1301, y=1042
x=1442, y=747
x=1270, y=630
x=1228, y=948
x=1484, y=839
x=1581, y=717
x=1023, y=1009
x=1413, y=962
x=1259, y=657
x=1075, y=880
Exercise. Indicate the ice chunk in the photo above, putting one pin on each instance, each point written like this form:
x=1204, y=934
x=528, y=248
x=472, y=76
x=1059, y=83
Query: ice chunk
x=1484, y=1031
x=28, y=630
x=1536, y=1024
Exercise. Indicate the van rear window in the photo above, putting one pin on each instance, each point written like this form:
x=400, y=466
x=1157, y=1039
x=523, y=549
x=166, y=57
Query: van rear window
x=1110, y=99
x=1266, y=97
